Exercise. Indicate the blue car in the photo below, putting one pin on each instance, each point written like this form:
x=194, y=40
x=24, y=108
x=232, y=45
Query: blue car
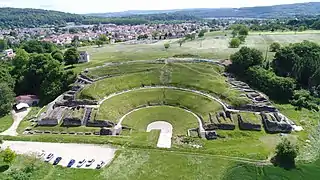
x=71, y=163
x=58, y=159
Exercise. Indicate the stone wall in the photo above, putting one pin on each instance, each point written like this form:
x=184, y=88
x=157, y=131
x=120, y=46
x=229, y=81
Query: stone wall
x=247, y=126
x=71, y=122
x=100, y=124
x=48, y=122
x=272, y=126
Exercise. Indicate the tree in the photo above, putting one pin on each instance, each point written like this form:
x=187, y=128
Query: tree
x=286, y=152
x=274, y=47
x=3, y=45
x=245, y=58
x=103, y=38
x=5, y=76
x=166, y=45
x=71, y=56
x=99, y=43
x=242, y=38
x=57, y=55
x=6, y=98
x=243, y=30
x=201, y=33
x=8, y=155
x=234, y=43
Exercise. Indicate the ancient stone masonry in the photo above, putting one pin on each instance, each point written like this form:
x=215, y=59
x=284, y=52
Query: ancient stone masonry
x=53, y=118
x=220, y=121
x=273, y=124
x=260, y=102
x=73, y=117
x=248, y=126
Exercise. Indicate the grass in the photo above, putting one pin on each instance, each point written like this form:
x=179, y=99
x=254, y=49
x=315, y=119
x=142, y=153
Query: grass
x=120, y=69
x=201, y=76
x=25, y=123
x=251, y=118
x=67, y=129
x=117, y=106
x=5, y=122
x=180, y=120
x=252, y=172
x=105, y=87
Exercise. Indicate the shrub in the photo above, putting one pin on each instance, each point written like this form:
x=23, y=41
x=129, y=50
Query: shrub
x=286, y=152
x=234, y=43
x=274, y=47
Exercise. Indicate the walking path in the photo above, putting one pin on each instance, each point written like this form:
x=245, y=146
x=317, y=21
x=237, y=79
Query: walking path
x=165, y=136
x=17, y=118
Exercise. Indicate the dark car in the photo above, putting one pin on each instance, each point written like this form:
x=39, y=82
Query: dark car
x=71, y=162
x=58, y=159
x=49, y=157
x=100, y=165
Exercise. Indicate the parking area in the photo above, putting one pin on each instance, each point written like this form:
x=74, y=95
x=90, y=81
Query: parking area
x=67, y=152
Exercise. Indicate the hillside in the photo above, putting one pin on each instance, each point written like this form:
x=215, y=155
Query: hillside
x=15, y=17
x=288, y=10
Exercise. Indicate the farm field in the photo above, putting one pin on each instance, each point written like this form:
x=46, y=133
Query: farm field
x=214, y=46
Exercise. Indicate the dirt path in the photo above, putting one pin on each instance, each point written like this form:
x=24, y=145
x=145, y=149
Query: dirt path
x=17, y=118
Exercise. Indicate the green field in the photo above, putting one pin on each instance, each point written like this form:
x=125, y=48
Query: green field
x=5, y=122
x=180, y=120
x=214, y=45
x=200, y=76
x=114, y=108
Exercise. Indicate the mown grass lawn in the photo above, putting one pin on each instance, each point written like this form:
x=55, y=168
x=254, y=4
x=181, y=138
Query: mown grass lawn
x=114, y=108
x=5, y=122
x=180, y=120
x=200, y=76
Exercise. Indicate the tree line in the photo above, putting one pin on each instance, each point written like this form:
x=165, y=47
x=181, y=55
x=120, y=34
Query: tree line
x=293, y=75
x=37, y=68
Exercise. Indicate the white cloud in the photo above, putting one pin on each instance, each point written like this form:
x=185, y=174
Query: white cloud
x=94, y=6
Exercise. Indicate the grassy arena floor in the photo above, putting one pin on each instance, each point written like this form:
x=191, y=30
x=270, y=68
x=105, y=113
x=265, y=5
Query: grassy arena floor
x=114, y=108
x=200, y=76
x=180, y=120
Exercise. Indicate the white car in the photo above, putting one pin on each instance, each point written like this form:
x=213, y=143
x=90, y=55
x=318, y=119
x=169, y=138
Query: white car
x=49, y=157
x=99, y=166
x=80, y=163
x=89, y=163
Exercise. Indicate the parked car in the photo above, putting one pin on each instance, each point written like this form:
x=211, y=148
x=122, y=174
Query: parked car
x=80, y=163
x=99, y=166
x=71, y=162
x=42, y=154
x=89, y=163
x=49, y=157
x=58, y=159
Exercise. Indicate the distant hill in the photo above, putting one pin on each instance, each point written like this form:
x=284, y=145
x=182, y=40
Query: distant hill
x=287, y=10
x=16, y=17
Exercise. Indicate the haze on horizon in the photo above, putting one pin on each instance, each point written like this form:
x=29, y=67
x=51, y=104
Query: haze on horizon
x=100, y=6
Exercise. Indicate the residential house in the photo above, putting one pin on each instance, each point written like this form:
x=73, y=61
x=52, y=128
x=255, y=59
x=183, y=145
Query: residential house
x=84, y=57
x=31, y=100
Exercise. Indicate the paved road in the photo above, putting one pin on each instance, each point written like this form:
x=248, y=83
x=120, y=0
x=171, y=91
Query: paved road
x=17, y=118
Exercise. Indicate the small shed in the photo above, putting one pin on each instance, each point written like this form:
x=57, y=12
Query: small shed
x=21, y=106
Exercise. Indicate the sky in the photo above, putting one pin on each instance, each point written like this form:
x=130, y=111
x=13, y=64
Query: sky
x=101, y=6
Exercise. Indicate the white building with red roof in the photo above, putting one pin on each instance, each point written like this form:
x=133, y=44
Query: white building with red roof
x=31, y=100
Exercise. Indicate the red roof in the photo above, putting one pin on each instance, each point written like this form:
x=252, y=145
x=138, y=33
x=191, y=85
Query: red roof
x=27, y=97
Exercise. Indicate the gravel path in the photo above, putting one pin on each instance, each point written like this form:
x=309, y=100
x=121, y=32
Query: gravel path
x=165, y=136
x=17, y=118
x=67, y=151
